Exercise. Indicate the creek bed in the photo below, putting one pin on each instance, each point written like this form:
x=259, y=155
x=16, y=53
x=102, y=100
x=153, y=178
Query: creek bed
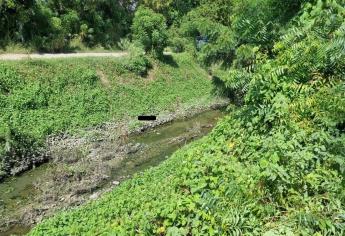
x=17, y=194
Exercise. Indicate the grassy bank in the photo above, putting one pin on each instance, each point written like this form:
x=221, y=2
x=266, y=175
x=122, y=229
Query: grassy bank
x=40, y=98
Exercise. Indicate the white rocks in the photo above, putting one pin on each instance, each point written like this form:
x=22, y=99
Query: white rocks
x=94, y=196
x=115, y=183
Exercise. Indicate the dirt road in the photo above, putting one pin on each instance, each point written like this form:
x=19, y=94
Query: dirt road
x=14, y=57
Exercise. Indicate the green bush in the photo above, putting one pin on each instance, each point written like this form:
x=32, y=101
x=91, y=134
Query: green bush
x=221, y=41
x=150, y=30
x=137, y=62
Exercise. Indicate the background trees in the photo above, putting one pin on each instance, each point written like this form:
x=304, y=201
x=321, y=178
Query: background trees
x=50, y=25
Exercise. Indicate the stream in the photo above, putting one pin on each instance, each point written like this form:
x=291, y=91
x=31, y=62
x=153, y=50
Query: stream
x=20, y=193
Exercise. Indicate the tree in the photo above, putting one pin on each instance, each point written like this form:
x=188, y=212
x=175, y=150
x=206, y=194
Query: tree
x=173, y=10
x=150, y=30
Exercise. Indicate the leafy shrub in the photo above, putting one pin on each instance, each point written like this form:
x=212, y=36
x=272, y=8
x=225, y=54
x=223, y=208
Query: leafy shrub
x=150, y=30
x=137, y=62
x=124, y=44
x=221, y=42
x=178, y=43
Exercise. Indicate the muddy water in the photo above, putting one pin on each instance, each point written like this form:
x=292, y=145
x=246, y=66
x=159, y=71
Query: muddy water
x=156, y=145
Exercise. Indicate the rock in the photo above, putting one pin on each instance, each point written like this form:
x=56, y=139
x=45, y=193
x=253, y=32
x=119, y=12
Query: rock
x=133, y=148
x=94, y=196
x=115, y=183
x=207, y=126
x=179, y=139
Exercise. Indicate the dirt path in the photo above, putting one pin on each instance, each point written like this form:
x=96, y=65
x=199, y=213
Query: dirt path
x=14, y=57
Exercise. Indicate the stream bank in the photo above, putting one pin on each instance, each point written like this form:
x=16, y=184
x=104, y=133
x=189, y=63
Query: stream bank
x=94, y=163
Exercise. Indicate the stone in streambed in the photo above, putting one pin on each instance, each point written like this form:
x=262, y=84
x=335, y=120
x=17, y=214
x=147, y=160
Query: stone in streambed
x=115, y=183
x=134, y=148
x=94, y=196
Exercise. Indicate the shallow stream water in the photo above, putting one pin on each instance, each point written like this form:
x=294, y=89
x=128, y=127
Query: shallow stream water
x=16, y=193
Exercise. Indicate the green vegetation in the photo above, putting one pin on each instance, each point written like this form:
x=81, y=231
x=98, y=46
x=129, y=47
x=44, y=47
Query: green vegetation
x=275, y=165
x=51, y=25
x=150, y=30
x=39, y=98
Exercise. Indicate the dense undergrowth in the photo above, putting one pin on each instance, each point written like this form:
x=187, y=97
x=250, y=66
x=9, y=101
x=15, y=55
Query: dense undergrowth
x=40, y=98
x=275, y=166
x=56, y=26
